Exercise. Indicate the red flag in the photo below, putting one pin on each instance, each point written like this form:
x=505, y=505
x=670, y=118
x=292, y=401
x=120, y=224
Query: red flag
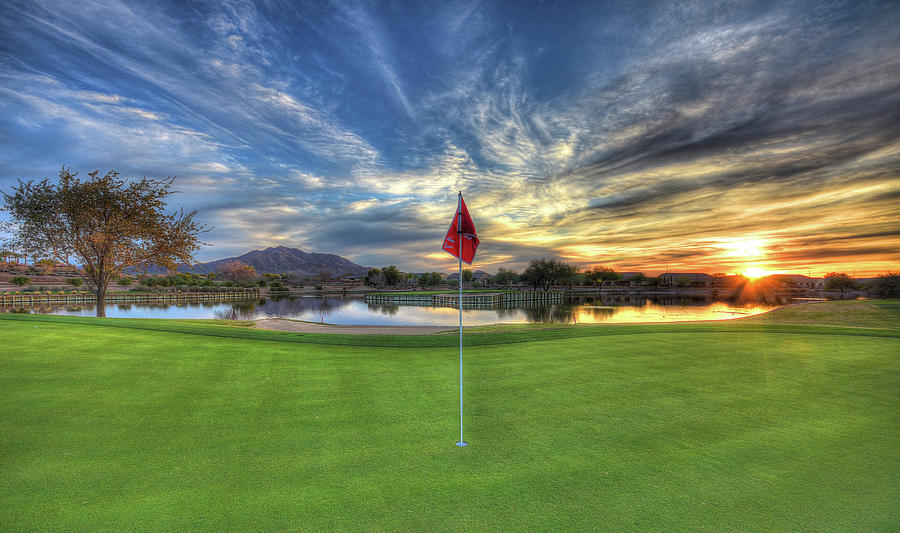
x=461, y=235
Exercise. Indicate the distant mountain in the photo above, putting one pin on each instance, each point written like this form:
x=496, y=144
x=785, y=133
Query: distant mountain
x=283, y=259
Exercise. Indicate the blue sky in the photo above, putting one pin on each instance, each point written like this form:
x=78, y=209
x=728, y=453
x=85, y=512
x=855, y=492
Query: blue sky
x=644, y=135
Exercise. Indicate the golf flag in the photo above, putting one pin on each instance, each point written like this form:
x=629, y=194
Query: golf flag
x=461, y=240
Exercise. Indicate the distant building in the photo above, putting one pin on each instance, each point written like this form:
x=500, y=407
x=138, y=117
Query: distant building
x=698, y=280
x=798, y=281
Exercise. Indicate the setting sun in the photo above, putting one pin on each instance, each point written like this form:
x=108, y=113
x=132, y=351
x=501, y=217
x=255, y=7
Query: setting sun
x=755, y=273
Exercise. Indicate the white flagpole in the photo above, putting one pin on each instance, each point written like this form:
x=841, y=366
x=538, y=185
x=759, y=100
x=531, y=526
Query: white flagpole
x=459, y=240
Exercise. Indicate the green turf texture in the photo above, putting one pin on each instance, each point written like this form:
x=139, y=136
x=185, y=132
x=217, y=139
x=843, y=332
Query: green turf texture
x=737, y=426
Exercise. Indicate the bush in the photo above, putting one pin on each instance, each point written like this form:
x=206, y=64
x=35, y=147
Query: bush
x=887, y=286
x=124, y=281
x=75, y=282
x=21, y=281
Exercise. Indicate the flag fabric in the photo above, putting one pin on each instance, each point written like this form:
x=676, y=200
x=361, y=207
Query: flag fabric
x=461, y=241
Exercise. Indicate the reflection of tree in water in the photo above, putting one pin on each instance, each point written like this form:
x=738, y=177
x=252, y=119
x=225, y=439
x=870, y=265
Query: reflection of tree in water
x=506, y=312
x=737, y=299
x=384, y=309
x=293, y=305
x=554, y=313
x=238, y=311
x=598, y=313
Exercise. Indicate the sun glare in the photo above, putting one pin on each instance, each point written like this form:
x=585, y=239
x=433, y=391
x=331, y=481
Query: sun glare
x=754, y=273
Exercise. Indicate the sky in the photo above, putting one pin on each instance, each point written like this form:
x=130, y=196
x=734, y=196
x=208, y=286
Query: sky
x=647, y=136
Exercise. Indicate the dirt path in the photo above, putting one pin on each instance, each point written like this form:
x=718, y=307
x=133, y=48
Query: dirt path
x=280, y=324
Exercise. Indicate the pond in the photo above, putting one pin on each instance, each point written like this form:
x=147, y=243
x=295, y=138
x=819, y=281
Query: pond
x=353, y=310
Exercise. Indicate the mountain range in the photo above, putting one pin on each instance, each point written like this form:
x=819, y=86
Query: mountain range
x=283, y=259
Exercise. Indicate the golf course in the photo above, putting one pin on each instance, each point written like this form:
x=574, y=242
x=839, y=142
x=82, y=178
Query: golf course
x=786, y=421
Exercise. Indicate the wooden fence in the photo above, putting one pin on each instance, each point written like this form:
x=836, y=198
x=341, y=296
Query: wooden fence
x=469, y=300
x=26, y=299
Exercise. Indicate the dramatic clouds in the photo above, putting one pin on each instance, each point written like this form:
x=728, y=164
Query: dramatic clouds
x=701, y=136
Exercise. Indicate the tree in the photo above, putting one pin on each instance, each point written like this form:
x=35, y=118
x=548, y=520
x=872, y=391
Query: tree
x=839, y=281
x=46, y=266
x=467, y=275
x=568, y=275
x=237, y=271
x=537, y=275
x=323, y=276
x=75, y=282
x=430, y=279
x=887, y=285
x=602, y=274
x=542, y=273
x=505, y=277
x=125, y=281
x=638, y=278
x=105, y=223
x=374, y=277
x=21, y=281
x=391, y=275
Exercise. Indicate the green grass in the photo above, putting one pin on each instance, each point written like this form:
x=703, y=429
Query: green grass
x=110, y=424
x=848, y=313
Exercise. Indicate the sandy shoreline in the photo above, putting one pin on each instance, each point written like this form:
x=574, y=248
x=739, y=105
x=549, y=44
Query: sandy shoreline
x=281, y=324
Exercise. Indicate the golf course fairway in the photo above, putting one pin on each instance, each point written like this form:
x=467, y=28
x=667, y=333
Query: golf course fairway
x=759, y=424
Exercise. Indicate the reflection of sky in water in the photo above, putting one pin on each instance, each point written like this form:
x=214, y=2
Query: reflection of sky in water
x=337, y=310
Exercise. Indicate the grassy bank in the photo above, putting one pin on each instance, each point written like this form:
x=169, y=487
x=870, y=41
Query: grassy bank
x=165, y=425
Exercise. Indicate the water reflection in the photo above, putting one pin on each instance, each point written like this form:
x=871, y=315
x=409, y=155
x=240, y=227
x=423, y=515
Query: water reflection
x=605, y=308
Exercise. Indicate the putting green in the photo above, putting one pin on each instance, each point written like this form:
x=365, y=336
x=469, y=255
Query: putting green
x=157, y=425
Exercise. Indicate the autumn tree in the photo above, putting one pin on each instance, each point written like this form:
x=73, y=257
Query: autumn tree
x=46, y=266
x=107, y=224
x=237, y=271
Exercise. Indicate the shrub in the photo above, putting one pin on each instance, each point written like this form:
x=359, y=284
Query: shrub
x=75, y=282
x=21, y=281
x=887, y=285
x=125, y=281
